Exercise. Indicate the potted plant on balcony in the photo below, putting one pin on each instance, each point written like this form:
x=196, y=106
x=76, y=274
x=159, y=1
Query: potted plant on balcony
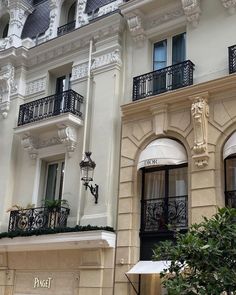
x=56, y=216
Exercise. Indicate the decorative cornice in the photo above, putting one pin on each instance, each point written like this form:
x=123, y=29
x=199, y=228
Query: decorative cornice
x=110, y=58
x=200, y=114
x=36, y=86
x=192, y=11
x=230, y=5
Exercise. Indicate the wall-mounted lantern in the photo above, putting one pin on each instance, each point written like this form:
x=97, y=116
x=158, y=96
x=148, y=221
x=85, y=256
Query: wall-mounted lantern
x=87, y=167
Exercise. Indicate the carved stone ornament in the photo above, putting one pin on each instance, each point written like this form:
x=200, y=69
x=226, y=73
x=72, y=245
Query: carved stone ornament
x=200, y=114
x=82, y=17
x=36, y=86
x=68, y=136
x=160, y=118
x=192, y=11
x=230, y=5
x=79, y=71
x=113, y=57
x=135, y=24
x=7, y=87
x=29, y=144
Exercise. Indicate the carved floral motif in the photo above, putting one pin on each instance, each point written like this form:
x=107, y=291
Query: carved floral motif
x=36, y=86
x=106, y=59
x=68, y=136
x=192, y=11
x=230, y=5
x=79, y=71
x=82, y=17
x=200, y=114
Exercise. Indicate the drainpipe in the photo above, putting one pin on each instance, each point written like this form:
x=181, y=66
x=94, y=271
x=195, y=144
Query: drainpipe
x=86, y=125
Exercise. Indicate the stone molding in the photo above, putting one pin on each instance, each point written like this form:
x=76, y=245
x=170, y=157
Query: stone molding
x=200, y=115
x=7, y=87
x=110, y=7
x=192, y=11
x=79, y=71
x=110, y=58
x=230, y=5
x=36, y=86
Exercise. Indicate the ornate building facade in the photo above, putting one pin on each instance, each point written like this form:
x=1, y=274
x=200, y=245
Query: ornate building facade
x=147, y=86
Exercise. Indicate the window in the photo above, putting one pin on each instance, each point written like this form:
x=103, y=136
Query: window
x=54, y=180
x=4, y=25
x=168, y=52
x=62, y=99
x=230, y=181
x=71, y=13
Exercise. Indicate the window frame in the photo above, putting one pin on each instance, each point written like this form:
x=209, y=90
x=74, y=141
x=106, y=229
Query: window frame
x=59, y=183
x=169, y=46
x=232, y=156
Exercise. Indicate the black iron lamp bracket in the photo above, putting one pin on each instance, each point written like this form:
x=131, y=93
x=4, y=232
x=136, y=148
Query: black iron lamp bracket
x=93, y=190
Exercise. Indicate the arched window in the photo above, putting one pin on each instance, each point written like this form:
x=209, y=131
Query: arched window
x=71, y=13
x=164, y=200
x=4, y=25
x=229, y=155
x=67, y=18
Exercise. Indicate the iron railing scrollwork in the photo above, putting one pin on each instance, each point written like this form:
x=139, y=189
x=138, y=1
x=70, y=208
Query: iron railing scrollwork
x=158, y=214
x=65, y=102
x=38, y=218
x=232, y=59
x=62, y=30
x=230, y=199
x=169, y=78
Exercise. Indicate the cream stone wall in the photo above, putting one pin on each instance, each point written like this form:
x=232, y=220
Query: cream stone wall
x=70, y=272
x=141, y=125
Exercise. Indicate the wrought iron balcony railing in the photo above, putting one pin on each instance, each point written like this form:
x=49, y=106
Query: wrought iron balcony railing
x=232, y=59
x=158, y=214
x=38, y=218
x=65, y=102
x=230, y=199
x=62, y=30
x=169, y=78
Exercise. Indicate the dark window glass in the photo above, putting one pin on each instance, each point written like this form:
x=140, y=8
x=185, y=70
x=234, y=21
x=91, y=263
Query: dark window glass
x=178, y=48
x=5, y=31
x=71, y=13
x=230, y=182
x=160, y=55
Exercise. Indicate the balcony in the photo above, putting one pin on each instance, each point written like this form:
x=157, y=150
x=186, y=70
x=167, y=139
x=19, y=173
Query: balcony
x=66, y=102
x=67, y=28
x=230, y=199
x=160, y=81
x=232, y=59
x=158, y=214
x=38, y=218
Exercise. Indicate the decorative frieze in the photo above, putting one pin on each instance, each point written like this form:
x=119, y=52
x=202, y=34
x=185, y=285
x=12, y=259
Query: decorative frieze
x=165, y=17
x=7, y=87
x=79, y=71
x=110, y=7
x=109, y=58
x=192, y=11
x=200, y=114
x=36, y=86
x=230, y=5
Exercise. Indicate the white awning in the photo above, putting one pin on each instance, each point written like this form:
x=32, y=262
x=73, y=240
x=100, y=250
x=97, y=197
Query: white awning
x=230, y=146
x=162, y=151
x=149, y=267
